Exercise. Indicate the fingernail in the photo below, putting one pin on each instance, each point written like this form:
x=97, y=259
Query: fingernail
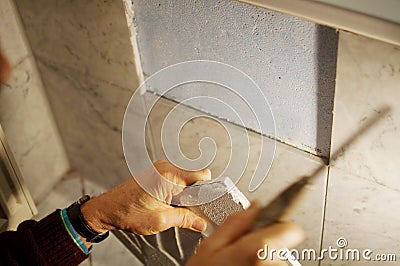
x=199, y=225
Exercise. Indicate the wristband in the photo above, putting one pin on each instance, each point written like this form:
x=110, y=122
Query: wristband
x=80, y=225
x=77, y=240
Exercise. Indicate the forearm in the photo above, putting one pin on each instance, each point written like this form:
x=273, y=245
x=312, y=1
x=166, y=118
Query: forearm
x=46, y=242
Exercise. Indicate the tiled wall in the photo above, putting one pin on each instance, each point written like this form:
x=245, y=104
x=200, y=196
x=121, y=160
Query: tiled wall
x=364, y=192
x=289, y=164
x=25, y=114
x=86, y=61
x=355, y=197
x=87, y=64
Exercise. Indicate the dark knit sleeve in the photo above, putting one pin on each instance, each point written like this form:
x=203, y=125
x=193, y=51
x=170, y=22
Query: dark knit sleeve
x=46, y=242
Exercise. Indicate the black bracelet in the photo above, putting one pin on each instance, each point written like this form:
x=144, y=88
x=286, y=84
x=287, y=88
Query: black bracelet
x=79, y=224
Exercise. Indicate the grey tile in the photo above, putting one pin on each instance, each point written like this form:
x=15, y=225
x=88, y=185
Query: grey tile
x=292, y=60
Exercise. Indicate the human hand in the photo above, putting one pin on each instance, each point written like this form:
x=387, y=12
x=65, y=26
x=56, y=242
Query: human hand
x=129, y=207
x=233, y=243
x=5, y=69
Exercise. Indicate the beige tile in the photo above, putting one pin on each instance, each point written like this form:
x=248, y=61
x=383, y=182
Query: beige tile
x=30, y=129
x=368, y=79
x=364, y=213
x=13, y=43
x=288, y=165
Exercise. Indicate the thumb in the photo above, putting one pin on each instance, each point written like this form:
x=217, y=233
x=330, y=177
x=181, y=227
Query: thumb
x=190, y=177
x=183, y=218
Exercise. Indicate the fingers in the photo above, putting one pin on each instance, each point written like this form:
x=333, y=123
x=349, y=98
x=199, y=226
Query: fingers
x=234, y=227
x=260, y=247
x=278, y=235
x=181, y=176
x=275, y=237
x=184, y=218
x=234, y=244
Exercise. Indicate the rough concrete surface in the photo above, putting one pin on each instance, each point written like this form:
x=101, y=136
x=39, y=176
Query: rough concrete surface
x=292, y=60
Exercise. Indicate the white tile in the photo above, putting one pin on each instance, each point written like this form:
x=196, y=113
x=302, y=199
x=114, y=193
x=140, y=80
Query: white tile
x=363, y=182
x=13, y=43
x=67, y=191
x=112, y=252
x=30, y=129
x=90, y=114
x=89, y=37
x=92, y=188
x=86, y=59
x=24, y=112
x=364, y=213
x=289, y=164
x=368, y=79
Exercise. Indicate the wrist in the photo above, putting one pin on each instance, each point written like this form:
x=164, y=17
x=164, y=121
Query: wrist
x=93, y=211
x=86, y=223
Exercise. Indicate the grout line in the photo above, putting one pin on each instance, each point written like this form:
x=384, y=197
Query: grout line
x=148, y=129
x=324, y=211
x=130, y=16
x=90, y=259
x=82, y=181
x=323, y=158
